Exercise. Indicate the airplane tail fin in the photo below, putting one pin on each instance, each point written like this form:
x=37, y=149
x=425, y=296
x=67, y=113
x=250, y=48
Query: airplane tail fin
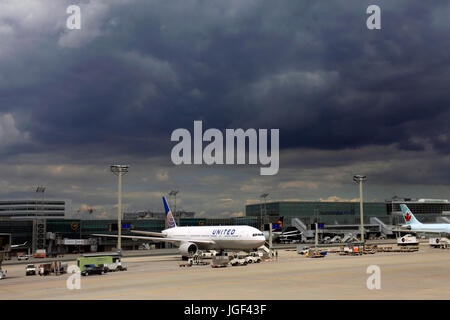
x=169, y=216
x=408, y=215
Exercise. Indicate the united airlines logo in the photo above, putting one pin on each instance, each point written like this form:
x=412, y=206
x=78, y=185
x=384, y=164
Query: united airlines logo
x=228, y=232
x=407, y=217
x=170, y=219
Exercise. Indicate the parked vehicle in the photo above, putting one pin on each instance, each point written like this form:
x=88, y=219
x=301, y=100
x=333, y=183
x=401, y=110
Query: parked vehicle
x=407, y=240
x=45, y=269
x=95, y=261
x=439, y=242
x=220, y=261
x=238, y=260
x=116, y=266
x=30, y=270
x=2, y=274
x=92, y=269
x=302, y=249
x=253, y=257
x=40, y=253
x=21, y=256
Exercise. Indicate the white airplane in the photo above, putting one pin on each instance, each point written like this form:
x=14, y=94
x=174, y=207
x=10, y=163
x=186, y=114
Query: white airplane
x=415, y=225
x=275, y=235
x=289, y=235
x=18, y=245
x=191, y=239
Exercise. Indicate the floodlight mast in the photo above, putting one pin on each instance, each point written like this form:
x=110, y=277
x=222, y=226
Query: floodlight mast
x=119, y=170
x=360, y=179
x=40, y=189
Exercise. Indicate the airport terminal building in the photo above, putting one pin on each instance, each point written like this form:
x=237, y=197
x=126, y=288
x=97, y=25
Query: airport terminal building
x=34, y=209
x=44, y=224
x=74, y=235
x=389, y=212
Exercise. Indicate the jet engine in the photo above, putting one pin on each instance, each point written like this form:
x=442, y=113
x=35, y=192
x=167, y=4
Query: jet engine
x=188, y=249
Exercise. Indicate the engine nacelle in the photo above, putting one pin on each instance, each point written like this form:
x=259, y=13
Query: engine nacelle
x=188, y=249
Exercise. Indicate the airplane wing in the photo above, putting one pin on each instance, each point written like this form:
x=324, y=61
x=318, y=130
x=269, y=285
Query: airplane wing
x=149, y=233
x=290, y=232
x=157, y=239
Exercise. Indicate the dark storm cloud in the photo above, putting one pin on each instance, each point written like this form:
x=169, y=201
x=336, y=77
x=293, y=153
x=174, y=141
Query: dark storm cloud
x=311, y=69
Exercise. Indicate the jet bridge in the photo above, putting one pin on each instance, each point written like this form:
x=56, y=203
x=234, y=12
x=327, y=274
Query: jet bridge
x=384, y=228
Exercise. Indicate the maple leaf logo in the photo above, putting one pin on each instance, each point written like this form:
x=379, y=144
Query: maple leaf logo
x=407, y=217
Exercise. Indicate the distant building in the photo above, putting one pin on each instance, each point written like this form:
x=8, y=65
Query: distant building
x=346, y=212
x=156, y=215
x=34, y=209
x=309, y=211
x=426, y=210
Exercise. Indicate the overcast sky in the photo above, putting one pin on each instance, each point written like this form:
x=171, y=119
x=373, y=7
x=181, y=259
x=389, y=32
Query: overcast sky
x=347, y=100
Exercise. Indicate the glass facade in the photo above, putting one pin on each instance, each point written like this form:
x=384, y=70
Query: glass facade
x=326, y=212
x=33, y=208
x=21, y=231
x=388, y=212
x=420, y=207
x=76, y=229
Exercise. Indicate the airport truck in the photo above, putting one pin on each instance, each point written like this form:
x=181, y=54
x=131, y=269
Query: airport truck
x=115, y=266
x=220, y=261
x=439, y=242
x=407, y=240
x=21, y=256
x=238, y=260
x=253, y=257
x=30, y=270
x=40, y=253
x=82, y=262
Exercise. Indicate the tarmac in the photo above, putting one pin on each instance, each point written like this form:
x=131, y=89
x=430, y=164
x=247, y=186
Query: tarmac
x=424, y=274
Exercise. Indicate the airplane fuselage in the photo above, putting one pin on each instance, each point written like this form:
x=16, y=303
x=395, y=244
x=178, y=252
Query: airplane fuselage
x=430, y=227
x=220, y=237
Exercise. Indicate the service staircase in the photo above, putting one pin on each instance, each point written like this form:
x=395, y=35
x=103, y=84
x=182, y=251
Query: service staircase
x=300, y=226
x=384, y=228
x=265, y=249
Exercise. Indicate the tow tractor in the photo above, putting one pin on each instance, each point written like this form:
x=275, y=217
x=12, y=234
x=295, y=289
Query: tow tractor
x=407, y=240
x=442, y=243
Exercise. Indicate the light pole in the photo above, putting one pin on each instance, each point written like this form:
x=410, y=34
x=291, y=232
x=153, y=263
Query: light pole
x=263, y=196
x=119, y=170
x=360, y=179
x=40, y=189
x=174, y=193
